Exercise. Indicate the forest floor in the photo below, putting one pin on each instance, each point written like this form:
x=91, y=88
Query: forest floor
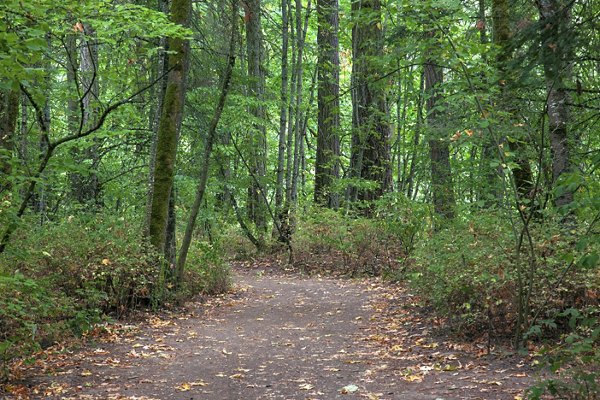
x=279, y=335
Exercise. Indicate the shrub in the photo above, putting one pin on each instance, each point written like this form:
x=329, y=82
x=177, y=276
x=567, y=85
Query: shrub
x=326, y=240
x=470, y=273
x=466, y=273
x=31, y=316
x=98, y=260
x=62, y=278
x=207, y=273
x=575, y=360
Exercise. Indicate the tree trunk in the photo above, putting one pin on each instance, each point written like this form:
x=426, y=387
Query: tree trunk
x=258, y=139
x=416, y=139
x=162, y=69
x=9, y=110
x=282, y=115
x=166, y=149
x=86, y=189
x=439, y=149
x=555, y=17
x=187, y=238
x=502, y=38
x=301, y=31
x=327, y=168
x=370, y=152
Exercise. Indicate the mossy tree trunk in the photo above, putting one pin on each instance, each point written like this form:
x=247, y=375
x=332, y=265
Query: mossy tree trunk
x=172, y=112
x=9, y=109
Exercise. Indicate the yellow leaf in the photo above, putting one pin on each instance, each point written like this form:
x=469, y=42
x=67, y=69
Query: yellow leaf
x=184, y=387
x=86, y=372
x=413, y=378
x=305, y=386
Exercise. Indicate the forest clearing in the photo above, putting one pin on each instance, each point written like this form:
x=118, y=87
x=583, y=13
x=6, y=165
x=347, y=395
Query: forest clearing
x=307, y=199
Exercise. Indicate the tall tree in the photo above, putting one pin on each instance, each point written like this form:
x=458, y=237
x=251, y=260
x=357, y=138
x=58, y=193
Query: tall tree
x=557, y=37
x=439, y=148
x=208, y=146
x=258, y=136
x=522, y=173
x=328, y=118
x=283, y=114
x=370, y=152
x=170, y=121
x=9, y=110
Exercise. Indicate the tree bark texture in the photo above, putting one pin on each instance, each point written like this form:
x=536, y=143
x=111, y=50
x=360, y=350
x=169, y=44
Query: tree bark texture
x=370, y=152
x=439, y=149
x=9, y=110
x=327, y=167
x=162, y=69
x=166, y=148
x=557, y=36
x=257, y=208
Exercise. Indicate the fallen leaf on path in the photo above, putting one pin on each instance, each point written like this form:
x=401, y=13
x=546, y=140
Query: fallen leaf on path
x=305, y=386
x=413, y=378
x=349, y=389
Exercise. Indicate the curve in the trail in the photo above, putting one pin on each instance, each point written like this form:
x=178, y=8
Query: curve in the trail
x=277, y=337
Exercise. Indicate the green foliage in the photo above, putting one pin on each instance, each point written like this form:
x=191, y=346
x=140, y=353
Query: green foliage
x=106, y=268
x=30, y=315
x=207, y=272
x=470, y=273
x=465, y=271
x=575, y=360
x=63, y=278
x=353, y=245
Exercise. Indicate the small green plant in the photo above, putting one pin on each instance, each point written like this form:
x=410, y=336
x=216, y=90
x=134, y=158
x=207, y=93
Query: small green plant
x=207, y=272
x=575, y=360
x=328, y=241
x=62, y=278
x=28, y=310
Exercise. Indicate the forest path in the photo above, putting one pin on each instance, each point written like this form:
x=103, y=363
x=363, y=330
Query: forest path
x=280, y=337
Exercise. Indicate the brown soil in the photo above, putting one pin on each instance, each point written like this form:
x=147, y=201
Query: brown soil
x=279, y=336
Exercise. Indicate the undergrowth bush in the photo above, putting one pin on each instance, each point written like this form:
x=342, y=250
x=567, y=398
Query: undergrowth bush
x=60, y=279
x=355, y=245
x=469, y=273
x=99, y=260
x=207, y=272
x=574, y=360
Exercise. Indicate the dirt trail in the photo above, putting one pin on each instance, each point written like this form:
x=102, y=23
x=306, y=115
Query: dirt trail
x=278, y=337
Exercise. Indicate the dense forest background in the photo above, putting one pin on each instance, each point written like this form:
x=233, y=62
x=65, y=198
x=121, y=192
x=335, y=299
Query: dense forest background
x=452, y=144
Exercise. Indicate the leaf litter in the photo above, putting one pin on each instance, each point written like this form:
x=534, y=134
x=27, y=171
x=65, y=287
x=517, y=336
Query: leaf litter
x=277, y=334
